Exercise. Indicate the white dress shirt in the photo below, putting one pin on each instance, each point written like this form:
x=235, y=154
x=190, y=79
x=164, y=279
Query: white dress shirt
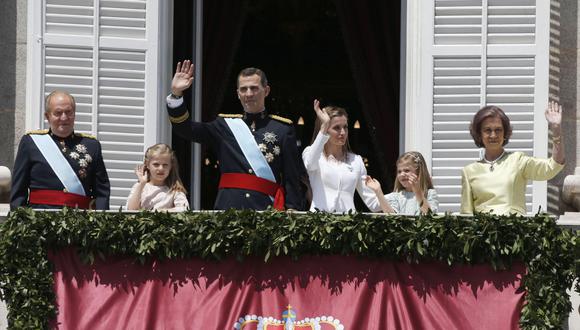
x=333, y=182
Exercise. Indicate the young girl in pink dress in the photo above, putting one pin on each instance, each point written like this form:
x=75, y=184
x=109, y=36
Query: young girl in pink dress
x=158, y=185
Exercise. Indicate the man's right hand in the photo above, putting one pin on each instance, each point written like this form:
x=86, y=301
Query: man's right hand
x=183, y=78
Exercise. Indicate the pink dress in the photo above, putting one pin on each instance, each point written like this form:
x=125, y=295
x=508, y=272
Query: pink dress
x=160, y=198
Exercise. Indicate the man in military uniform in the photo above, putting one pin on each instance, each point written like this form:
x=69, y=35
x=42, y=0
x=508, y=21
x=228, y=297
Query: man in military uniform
x=58, y=167
x=259, y=162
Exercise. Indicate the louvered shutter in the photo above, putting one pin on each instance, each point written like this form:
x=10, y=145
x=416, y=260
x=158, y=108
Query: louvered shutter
x=464, y=55
x=109, y=54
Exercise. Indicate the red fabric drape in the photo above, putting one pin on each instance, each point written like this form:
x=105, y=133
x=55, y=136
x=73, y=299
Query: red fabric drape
x=371, y=31
x=360, y=293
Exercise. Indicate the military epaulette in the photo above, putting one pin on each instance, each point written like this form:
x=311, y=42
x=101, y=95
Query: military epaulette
x=86, y=136
x=282, y=119
x=230, y=115
x=38, y=131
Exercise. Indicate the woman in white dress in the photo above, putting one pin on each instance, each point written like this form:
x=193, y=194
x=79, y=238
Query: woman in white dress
x=334, y=171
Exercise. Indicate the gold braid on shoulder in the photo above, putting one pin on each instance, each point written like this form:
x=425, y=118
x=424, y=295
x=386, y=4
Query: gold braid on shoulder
x=282, y=119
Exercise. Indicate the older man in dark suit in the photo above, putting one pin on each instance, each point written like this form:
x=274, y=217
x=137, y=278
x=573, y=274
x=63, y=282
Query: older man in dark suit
x=58, y=167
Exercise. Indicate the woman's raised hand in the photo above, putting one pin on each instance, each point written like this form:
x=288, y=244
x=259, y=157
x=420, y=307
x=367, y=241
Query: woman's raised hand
x=374, y=184
x=322, y=116
x=554, y=114
x=183, y=77
x=554, y=117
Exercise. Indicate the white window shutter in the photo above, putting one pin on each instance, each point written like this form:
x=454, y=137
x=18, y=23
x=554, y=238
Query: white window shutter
x=462, y=55
x=111, y=56
x=457, y=22
x=456, y=96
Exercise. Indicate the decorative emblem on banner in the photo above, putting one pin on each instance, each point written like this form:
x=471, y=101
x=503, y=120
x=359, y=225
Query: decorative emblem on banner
x=288, y=322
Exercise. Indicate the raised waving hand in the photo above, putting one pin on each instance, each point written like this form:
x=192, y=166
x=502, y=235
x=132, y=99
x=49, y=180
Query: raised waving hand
x=183, y=77
x=322, y=116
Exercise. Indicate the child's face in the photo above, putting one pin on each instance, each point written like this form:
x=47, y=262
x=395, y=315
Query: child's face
x=406, y=175
x=159, y=167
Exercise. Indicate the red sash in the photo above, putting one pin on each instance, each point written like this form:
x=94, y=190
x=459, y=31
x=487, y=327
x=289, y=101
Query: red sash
x=58, y=197
x=252, y=182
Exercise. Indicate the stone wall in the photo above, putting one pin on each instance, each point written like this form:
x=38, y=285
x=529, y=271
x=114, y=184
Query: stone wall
x=564, y=88
x=13, y=38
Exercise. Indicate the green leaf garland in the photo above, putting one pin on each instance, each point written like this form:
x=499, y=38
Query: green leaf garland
x=551, y=253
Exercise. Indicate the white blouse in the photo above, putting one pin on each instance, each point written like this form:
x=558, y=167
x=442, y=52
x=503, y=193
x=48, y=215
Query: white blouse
x=333, y=182
x=157, y=198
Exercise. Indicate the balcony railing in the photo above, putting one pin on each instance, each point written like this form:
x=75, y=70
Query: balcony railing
x=549, y=246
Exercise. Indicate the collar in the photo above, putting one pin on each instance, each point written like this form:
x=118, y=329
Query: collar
x=56, y=137
x=250, y=117
x=484, y=160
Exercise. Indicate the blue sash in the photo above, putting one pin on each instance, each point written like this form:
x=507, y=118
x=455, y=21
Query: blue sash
x=250, y=148
x=59, y=164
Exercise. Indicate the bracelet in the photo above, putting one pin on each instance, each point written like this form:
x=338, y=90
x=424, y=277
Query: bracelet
x=173, y=96
x=556, y=139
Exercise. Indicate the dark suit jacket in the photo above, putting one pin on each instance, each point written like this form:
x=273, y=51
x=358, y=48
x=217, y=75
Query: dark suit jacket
x=32, y=171
x=278, y=141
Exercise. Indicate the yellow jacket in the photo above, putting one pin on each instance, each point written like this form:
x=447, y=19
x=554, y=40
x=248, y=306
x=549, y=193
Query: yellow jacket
x=502, y=191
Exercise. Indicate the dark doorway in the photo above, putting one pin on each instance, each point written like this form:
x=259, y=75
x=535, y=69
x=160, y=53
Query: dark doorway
x=301, y=46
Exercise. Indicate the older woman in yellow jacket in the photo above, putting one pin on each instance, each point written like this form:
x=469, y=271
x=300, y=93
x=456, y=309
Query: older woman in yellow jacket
x=497, y=182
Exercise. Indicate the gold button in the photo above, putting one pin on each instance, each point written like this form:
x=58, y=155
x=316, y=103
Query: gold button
x=247, y=195
x=250, y=171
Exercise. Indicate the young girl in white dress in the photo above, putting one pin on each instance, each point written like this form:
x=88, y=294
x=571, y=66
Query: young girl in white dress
x=413, y=193
x=158, y=185
x=333, y=170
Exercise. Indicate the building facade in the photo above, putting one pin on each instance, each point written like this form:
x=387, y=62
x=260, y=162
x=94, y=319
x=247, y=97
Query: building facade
x=456, y=56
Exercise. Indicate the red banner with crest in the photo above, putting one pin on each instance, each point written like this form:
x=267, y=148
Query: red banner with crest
x=311, y=293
